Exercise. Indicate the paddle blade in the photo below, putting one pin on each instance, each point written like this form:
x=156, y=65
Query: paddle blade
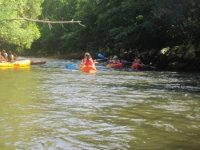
x=101, y=56
x=71, y=66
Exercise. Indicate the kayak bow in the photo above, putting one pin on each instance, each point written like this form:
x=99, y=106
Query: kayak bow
x=16, y=64
x=88, y=69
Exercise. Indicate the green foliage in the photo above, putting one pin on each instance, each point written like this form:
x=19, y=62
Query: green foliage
x=142, y=26
x=18, y=32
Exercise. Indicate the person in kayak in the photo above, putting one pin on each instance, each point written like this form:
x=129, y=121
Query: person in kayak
x=2, y=59
x=114, y=60
x=5, y=54
x=87, y=60
x=137, y=64
x=11, y=57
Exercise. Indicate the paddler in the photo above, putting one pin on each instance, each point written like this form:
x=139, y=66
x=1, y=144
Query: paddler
x=87, y=60
x=116, y=60
x=11, y=57
x=137, y=64
x=5, y=54
x=2, y=59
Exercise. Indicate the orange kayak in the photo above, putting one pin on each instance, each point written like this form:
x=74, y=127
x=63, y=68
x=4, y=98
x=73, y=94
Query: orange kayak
x=88, y=69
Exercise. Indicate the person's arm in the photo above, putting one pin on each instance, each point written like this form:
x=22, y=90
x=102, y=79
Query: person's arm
x=2, y=58
x=82, y=63
x=92, y=62
x=141, y=63
x=95, y=61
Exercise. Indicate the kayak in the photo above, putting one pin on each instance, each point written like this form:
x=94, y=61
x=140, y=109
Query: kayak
x=16, y=64
x=115, y=66
x=37, y=62
x=136, y=66
x=139, y=67
x=88, y=69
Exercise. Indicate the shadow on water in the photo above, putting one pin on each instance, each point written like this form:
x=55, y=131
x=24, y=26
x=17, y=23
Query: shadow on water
x=173, y=86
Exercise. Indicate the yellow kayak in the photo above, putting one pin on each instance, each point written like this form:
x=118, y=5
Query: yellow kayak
x=16, y=64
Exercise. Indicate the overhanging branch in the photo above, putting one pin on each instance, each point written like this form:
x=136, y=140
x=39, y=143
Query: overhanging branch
x=50, y=22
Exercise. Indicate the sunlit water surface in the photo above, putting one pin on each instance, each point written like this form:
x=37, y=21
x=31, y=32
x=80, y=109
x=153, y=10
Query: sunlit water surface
x=50, y=107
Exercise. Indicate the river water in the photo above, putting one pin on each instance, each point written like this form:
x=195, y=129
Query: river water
x=50, y=107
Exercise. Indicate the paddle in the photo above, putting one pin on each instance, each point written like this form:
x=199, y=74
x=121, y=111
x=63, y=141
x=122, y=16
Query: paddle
x=101, y=58
x=145, y=66
x=148, y=66
x=71, y=66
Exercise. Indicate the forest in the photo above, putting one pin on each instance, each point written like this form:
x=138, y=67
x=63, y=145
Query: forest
x=163, y=32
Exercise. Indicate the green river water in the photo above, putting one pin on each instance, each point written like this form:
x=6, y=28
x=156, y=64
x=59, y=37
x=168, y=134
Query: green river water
x=50, y=107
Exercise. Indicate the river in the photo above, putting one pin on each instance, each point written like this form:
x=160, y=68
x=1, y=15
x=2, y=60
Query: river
x=50, y=107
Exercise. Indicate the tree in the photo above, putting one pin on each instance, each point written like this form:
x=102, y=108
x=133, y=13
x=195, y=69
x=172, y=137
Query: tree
x=19, y=32
x=138, y=25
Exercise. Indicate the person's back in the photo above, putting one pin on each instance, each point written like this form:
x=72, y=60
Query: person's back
x=2, y=59
x=115, y=60
x=10, y=57
x=87, y=60
x=5, y=54
x=137, y=64
x=87, y=64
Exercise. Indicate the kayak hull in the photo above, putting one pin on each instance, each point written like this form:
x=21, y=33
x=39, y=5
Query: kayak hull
x=16, y=64
x=136, y=66
x=115, y=66
x=88, y=69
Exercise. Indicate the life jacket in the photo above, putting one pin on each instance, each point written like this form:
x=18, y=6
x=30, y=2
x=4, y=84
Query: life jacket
x=136, y=66
x=87, y=62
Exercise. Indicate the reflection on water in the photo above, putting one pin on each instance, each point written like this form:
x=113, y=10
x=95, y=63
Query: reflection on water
x=49, y=107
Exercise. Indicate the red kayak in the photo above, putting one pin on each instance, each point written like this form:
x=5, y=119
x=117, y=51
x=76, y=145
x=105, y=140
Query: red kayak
x=115, y=65
x=136, y=66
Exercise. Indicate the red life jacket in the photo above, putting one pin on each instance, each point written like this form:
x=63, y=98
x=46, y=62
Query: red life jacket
x=87, y=62
x=136, y=66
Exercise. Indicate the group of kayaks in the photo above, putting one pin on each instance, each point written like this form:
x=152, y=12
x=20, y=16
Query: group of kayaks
x=91, y=69
x=133, y=67
x=116, y=63
x=28, y=63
